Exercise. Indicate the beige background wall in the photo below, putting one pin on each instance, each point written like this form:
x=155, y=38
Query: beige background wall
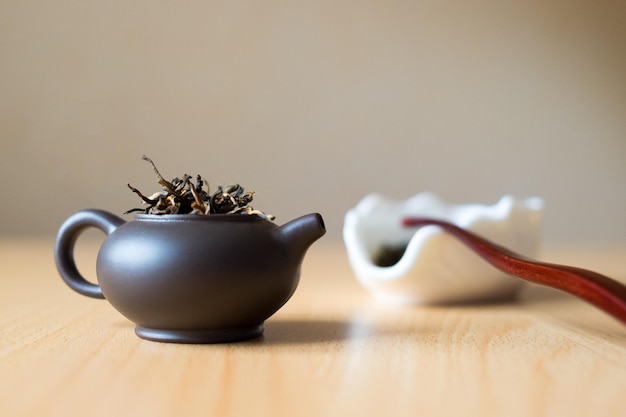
x=315, y=104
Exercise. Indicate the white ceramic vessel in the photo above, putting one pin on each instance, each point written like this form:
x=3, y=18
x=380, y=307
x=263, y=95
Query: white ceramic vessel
x=436, y=267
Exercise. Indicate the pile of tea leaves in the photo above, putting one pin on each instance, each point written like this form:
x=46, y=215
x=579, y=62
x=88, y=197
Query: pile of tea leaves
x=389, y=255
x=185, y=196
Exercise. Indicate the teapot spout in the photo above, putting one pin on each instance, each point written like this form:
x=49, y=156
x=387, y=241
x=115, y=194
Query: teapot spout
x=300, y=233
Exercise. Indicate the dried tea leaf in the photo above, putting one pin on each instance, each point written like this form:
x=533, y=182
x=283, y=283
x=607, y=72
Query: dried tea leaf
x=389, y=255
x=181, y=196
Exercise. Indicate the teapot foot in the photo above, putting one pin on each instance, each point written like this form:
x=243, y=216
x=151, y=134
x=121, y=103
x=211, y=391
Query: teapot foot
x=199, y=336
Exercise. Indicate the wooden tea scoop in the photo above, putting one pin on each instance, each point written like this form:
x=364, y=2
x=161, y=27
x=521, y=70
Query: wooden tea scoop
x=601, y=291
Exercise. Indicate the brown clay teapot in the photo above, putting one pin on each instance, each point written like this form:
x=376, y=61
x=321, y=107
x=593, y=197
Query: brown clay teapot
x=189, y=278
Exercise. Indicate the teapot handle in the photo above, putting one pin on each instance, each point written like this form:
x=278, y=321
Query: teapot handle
x=66, y=239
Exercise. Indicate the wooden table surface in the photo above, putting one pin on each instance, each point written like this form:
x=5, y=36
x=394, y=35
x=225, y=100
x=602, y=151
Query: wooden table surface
x=331, y=351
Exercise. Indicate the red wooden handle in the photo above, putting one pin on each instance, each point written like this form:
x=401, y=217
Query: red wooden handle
x=601, y=291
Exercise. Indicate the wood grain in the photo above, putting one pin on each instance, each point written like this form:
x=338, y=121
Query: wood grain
x=331, y=351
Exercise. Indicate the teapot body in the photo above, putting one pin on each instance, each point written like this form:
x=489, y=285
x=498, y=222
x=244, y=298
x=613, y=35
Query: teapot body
x=187, y=272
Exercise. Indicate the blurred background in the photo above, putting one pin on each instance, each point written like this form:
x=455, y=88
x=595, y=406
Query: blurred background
x=313, y=105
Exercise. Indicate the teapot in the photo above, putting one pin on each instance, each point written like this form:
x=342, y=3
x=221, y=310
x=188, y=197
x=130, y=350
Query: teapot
x=190, y=278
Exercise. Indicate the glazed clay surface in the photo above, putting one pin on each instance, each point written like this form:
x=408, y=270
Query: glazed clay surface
x=436, y=267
